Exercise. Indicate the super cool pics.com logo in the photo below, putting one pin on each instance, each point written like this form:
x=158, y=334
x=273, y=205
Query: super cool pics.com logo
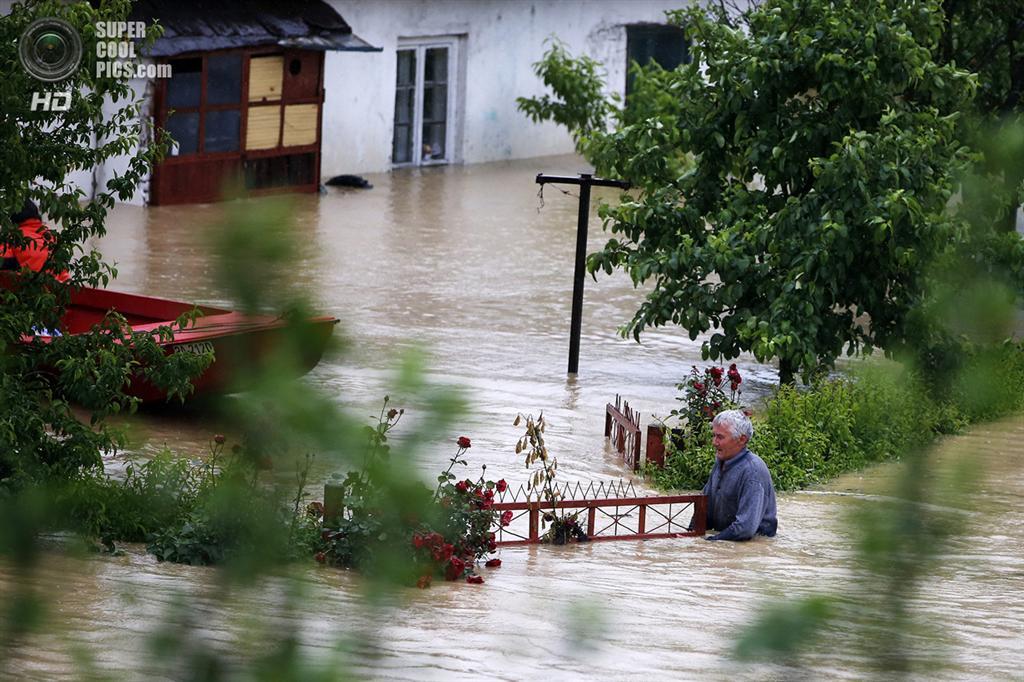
x=51, y=51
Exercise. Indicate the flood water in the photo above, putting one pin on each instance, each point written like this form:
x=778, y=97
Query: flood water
x=464, y=263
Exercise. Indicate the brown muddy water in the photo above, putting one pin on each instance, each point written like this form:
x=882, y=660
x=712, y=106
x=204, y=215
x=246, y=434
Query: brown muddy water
x=464, y=263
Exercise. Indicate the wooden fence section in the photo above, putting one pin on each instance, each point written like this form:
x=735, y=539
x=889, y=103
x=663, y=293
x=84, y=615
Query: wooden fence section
x=622, y=425
x=619, y=518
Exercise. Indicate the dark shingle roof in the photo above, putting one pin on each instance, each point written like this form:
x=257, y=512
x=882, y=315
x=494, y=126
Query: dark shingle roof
x=200, y=25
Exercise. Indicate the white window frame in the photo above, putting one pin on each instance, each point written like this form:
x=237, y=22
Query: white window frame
x=421, y=45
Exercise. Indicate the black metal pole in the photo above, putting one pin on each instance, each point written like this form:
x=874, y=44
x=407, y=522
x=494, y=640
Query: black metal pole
x=576, y=325
x=585, y=181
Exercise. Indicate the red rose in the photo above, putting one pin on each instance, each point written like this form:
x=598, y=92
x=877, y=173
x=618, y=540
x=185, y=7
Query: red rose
x=697, y=386
x=493, y=563
x=218, y=439
x=489, y=494
x=424, y=581
x=417, y=540
x=491, y=545
x=321, y=557
x=462, y=486
x=716, y=375
x=454, y=569
x=506, y=518
x=464, y=442
x=475, y=580
x=734, y=385
x=501, y=486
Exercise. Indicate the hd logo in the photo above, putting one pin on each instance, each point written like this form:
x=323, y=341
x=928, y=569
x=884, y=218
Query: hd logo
x=50, y=49
x=51, y=101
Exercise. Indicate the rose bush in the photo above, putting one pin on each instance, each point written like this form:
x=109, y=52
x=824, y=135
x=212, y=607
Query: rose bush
x=446, y=539
x=704, y=396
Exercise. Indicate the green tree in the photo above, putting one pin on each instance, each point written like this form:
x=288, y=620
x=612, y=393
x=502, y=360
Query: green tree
x=39, y=434
x=793, y=183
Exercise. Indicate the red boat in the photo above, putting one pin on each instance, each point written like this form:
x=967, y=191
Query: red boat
x=239, y=341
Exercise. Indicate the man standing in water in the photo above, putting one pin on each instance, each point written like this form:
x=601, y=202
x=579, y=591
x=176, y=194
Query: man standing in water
x=741, y=497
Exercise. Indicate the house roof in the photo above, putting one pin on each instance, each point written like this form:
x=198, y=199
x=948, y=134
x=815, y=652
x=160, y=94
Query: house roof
x=201, y=25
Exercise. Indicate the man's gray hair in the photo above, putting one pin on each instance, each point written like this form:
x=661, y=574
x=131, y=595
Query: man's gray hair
x=736, y=421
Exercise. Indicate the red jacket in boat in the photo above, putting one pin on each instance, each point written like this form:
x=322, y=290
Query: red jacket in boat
x=34, y=254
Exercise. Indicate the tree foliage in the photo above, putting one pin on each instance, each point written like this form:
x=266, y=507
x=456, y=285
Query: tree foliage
x=794, y=182
x=39, y=434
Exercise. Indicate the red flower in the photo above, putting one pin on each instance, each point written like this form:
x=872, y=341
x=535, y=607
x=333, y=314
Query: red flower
x=697, y=386
x=462, y=486
x=424, y=581
x=506, y=518
x=734, y=376
x=417, y=540
x=501, y=486
x=219, y=439
x=493, y=563
x=321, y=558
x=734, y=385
x=475, y=580
x=489, y=494
x=491, y=545
x=716, y=375
x=455, y=568
x=464, y=442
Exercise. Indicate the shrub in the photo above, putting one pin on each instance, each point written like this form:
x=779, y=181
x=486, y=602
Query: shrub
x=812, y=435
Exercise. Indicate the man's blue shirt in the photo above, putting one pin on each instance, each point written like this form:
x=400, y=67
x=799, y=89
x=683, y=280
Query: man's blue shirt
x=741, y=498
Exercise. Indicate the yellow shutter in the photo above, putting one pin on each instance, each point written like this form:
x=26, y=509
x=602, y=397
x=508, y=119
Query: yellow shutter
x=266, y=76
x=300, y=124
x=262, y=127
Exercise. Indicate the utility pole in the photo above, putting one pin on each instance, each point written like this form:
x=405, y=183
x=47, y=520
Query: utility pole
x=585, y=182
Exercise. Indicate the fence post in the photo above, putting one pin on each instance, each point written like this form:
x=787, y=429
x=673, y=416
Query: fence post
x=334, y=504
x=534, y=531
x=700, y=515
x=642, y=523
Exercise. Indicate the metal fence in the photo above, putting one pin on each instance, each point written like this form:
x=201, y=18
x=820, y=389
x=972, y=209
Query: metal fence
x=618, y=518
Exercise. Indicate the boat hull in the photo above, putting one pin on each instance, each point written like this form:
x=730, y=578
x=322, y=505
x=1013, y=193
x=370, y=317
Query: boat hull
x=243, y=345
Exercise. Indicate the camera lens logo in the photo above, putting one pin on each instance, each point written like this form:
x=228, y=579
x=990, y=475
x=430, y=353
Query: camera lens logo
x=50, y=49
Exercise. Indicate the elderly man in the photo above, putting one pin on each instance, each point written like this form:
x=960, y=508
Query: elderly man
x=741, y=497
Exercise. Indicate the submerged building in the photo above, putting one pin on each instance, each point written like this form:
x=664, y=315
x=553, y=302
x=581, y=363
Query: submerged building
x=270, y=96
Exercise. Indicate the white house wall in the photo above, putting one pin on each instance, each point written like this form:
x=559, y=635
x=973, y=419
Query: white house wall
x=501, y=41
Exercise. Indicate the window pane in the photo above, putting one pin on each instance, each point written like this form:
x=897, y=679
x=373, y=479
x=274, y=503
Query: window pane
x=435, y=103
x=224, y=79
x=433, y=142
x=184, y=128
x=404, y=99
x=184, y=86
x=406, y=67
x=405, y=102
x=402, y=151
x=222, y=131
x=436, y=65
x=663, y=45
